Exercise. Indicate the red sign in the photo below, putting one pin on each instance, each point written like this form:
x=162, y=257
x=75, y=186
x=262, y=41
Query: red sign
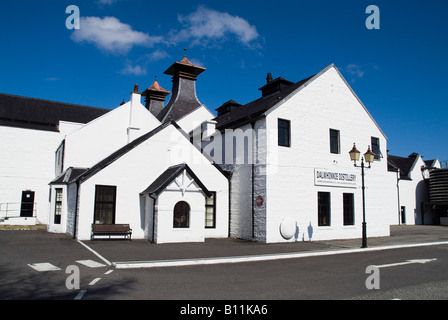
x=259, y=201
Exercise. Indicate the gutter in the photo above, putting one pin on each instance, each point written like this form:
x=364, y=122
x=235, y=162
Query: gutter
x=75, y=223
x=153, y=217
x=253, y=180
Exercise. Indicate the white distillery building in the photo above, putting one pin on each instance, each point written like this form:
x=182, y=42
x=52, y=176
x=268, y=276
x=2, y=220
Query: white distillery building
x=136, y=166
x=274, y=170
x=31, y=130
x=295, y=181
x=412, y=190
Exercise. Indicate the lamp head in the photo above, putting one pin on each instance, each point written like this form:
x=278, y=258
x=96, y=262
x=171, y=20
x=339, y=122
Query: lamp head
x=369, y=156
x=354, y=153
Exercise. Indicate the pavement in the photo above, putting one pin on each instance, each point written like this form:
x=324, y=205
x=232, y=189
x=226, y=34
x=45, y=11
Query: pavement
x=143, y=254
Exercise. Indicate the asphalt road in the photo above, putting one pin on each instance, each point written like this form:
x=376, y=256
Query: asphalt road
x=333, y=277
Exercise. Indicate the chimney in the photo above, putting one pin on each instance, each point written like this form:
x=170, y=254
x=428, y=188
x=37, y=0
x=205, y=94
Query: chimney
x=155, y=98
x=135, y=95
x=183, y=99
x=134, y=122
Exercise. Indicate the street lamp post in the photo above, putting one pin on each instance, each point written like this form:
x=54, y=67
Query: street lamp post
x=369, y=156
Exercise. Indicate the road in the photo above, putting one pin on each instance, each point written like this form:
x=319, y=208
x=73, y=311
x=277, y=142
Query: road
x=333, y=277
x=329, y=277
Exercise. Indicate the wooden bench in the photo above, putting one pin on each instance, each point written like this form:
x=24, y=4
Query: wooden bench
x=111, y=230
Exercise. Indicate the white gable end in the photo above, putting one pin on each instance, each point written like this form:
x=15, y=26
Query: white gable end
x=101, y=137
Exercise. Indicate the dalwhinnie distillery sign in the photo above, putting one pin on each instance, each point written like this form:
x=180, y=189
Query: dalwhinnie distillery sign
x=333, y=178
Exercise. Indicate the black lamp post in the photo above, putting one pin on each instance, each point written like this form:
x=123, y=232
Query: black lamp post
x=369, y=156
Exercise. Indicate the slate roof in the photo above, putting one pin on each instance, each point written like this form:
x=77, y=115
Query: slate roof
x=256, y=109
x=81, y=175
x=39, y=114
x=169, y=175
x=183, y=99
x=404, y=164
x=70, y=175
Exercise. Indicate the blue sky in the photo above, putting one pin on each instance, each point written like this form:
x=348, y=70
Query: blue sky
x=398, y=71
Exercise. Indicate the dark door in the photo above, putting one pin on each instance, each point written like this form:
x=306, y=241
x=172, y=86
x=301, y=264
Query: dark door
x=403, y=215
x=27, y=207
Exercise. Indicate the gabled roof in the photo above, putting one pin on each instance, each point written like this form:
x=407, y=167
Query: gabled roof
x=404, y=164
x=165, y=179
x=39, y=114
x=259, y=108
x=255, y=109
x=121, y=152
x=130, y=146
x=70, y=175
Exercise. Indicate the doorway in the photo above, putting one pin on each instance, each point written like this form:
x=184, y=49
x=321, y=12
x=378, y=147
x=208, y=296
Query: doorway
x=27, y=205
x=403, y=215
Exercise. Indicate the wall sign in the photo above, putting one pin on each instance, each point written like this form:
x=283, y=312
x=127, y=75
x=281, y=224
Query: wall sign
x=259, y=201
x=334, y=178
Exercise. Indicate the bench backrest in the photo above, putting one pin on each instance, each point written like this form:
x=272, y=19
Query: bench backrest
x=110, y=227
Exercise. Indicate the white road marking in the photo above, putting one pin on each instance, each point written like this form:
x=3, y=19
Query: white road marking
x=80, y=295
x=266, y=257
x=421, y=261
x=91, y=263
x=96, y=253
x=42, y=267
x=109, y=272
x=94, y=281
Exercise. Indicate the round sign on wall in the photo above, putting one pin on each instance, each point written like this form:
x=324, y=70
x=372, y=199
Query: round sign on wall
x=287, y=228
x=259, y=201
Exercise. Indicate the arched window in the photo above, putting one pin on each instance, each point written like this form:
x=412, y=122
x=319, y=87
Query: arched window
x=181, y=215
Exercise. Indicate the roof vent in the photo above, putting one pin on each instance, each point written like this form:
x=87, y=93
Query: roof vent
x=228, y=107
x=274, y=86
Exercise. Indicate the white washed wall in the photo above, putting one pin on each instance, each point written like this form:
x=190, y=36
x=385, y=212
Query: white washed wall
x=136, y=170
x=27, y=163
x=325, y=103
x=101, y=137
x=165, y=231
x=194, y=119
x=412, y=193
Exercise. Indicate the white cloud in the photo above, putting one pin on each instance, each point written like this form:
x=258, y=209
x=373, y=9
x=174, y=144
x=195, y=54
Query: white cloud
x=106, y=2
x=157, y=55
x=206, y=25
x=355, y=70
x=133, y=70
x=111, y=35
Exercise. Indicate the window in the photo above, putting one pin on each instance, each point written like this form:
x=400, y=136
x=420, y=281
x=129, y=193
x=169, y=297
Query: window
x=210, y=211
x=334, y=141
x=376, y=148
x=349, y=209
x=105, y=197
x=181, y=215
x=59, y=159
x=58, y=206
x=323, y=209
x=284, y=133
